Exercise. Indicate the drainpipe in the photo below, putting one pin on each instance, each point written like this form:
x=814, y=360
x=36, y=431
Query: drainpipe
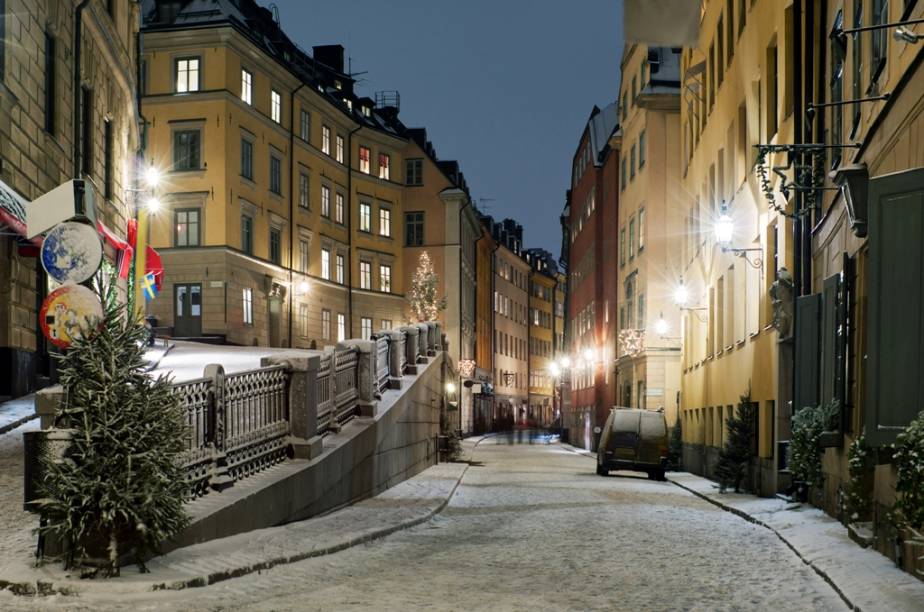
x=78, y=110
x=349, y=226
x=292, y=208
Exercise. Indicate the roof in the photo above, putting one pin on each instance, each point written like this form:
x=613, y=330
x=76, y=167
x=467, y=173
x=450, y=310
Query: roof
x=260, y=25
x=600, y=127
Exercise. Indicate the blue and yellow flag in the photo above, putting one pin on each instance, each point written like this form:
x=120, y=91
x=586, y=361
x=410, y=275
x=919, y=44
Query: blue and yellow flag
x=149, y=286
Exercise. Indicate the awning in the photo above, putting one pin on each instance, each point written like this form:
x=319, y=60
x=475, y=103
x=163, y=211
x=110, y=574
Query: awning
x=13, y=213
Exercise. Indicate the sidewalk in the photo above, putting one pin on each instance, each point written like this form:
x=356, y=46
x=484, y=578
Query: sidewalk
x=15, y=412
x=865, y=579
x=407, y=504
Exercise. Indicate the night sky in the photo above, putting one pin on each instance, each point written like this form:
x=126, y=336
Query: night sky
x=503, y=86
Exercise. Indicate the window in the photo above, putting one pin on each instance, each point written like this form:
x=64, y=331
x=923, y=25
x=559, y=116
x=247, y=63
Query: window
x=641, y=229
x=186, y=150
x=641, y=150
x=275, y=174
x=50, y=97
x=325, y=139
x=413, y=174
x=86, y=130
x=720, y=36
x=632, y=162
x=365, y=217
x=303, y=190
x=108, y=144
x=414, y=229
x=631, y=237
x=772, y=89
x=385, y=278
x=742, y=16
x=365, y=275
x=275, y=245
x=303, y=256
x=275, y=106
x=325, y=324
x=384, y=221
x=641, y=311
x=634, y=89
x=622, y=247
x=340, y=269
x=879, y=51
x=365, y=327
x=624, y=174
x=338, y=210
x=384, y=166
x=624, y=107
x=247, y=234
x=187, y=74
x=325, y=264
x=304, y=125
x=856, y=90
x=246, y=86
x=325, y=201
x=303, y=319
x=186, y=224
x=365, y=155
x=246, y=159
x=247, y=299
x=339, y=148
x=730, y=30
x=712, y=78
x=341, y=327
x=838, y=50
x=386, y=324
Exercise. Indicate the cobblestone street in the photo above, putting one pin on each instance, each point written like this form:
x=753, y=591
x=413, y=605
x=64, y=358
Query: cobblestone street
x=532, y=527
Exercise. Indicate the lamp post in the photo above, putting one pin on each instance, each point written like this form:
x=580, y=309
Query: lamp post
x=146, y=202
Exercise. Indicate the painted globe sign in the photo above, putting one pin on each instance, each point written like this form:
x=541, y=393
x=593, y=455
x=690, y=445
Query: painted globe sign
x=67, y=312
x=72, y=253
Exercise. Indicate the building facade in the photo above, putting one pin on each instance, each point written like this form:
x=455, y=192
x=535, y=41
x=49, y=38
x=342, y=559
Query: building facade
x=590, y=232
x=439, y=219
x=281, y=205
x=651, y=205
x=541, y=315
x=484, y=382
x=67, y=111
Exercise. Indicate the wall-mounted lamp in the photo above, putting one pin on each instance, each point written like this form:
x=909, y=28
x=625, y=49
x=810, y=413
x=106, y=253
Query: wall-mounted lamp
x=853, y=181
x=725, y=231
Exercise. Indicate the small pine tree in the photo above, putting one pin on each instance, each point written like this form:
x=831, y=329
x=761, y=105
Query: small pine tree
x=675, y=447
x=423, y=301
x=735, y=459
x=122, y=488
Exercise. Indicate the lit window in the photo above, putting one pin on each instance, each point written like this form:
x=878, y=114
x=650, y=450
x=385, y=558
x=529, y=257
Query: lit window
x=384, y=166
x=303, y=319
x=386, y=324
x=384, y=222
x=365, y=217
x=365, y=325
x=364, y=160
x=248, y=305
x=641, y=229
x=338, y=211
x=325, y=264
x=341, y=327
x=340, y=269
x=385, y=278
x=339, y=148
x=246, y=86
x=631, y=238
x=325, y=139
x=187, y=74
x=275, y=106
x=325, y=324
x=641, y=150
x=187, y=148
x=365, y=275
x=303, y=256
x=325, y=201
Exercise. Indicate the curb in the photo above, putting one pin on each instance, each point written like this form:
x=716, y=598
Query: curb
x=751, y=519
x=11, y=426
x=48, y=587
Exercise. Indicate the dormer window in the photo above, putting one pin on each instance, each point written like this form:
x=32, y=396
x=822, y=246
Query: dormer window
x=367, y=111
x=338, y=85
x=349, y=103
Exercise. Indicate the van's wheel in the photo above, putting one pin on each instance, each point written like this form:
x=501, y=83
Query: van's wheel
x=602, y=471
x=656, y=475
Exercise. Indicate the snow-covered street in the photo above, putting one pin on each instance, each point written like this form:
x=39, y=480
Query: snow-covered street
x=532, y=527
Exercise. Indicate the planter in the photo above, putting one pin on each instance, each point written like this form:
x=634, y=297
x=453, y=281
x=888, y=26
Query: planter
x=50, y=444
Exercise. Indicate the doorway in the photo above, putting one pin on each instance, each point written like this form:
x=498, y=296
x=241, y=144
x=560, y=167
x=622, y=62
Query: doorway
x=187, y=316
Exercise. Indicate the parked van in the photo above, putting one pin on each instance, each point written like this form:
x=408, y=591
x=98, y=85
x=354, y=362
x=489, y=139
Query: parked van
x=633, y=440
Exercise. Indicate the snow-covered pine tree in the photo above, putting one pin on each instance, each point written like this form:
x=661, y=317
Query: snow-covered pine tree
x=121, y=489
x=735, y=458
x=423, y=301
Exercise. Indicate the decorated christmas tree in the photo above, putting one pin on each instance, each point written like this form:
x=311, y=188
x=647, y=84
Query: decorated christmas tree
x=423, y=301
x=121, y=487
x=735, y=458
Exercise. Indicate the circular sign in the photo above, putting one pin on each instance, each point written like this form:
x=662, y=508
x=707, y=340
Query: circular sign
x=597, y=429
x=66, y=312
x=72, y=252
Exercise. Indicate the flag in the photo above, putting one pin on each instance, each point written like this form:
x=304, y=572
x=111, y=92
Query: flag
x=149, y=286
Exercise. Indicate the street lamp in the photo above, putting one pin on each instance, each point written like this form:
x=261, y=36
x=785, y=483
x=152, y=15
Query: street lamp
x=152, y=176
x=681, y=295
x=152, y=205
x=661, y=325
x=589, y=355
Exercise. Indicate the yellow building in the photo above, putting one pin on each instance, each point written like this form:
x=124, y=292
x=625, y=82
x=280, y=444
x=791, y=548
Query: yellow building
x=282, y=194
x=652, y=207
x=541, y=299
x=738, y=91
x=67, y=111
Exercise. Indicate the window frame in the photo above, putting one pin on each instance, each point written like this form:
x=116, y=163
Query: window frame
x=304, y=255
x=304, y=125
x=325, y=323
x=246, y=86
x=418, y=226
x=325, y=139
x=325, y=201
x=177, y=71
x=365, y=159
x=384, y=170
x=365, y=217
x=184, y=166
x=339, y=208
x=341, y=327
x=413, y=172
x=340, y=143
x=385, y=221
x=304, y=190
x=275, y=252
x=365, y=274
x=340, y=268
x=325, y=263
x=247, y=305
x=385, y=278
x=186, y=231
x=247, y=234
x=276, y=106
x=275, y=174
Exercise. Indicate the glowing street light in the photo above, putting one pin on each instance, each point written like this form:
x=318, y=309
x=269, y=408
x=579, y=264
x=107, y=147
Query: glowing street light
x=565, y=362
x=661, y=326
x=152, y=176
x=681, y=294
x=450, y=388
x=303, y=288
x=589, y=355
x=724, y=227
x=554, y=369
x=152, y=205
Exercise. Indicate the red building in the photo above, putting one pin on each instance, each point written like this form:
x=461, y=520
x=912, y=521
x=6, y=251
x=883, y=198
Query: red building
x=589, y=250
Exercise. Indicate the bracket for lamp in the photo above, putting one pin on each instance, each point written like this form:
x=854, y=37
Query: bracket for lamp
x=696, y=310
x=743, y=254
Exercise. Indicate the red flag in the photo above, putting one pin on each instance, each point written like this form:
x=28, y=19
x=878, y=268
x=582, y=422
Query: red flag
x=153, y=265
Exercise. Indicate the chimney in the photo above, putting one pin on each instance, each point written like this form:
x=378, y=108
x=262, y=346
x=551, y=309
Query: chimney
x=330, y=55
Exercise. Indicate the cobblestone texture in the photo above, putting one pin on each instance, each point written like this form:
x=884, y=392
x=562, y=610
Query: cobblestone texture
x=532, y=528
